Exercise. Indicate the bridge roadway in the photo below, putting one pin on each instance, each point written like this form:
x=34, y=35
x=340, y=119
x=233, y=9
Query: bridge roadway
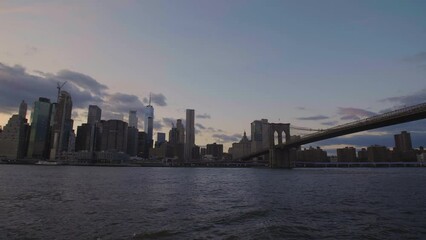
x=399, y=116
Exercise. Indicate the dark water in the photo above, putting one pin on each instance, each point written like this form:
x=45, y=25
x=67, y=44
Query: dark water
x=64, y=202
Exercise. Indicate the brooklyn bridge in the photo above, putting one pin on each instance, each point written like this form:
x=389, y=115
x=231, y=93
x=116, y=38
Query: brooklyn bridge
x=283, y=154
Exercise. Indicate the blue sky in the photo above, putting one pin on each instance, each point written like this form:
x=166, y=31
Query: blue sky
x=310, y=63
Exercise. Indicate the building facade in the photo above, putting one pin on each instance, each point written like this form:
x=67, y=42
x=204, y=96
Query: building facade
x=13, y=138
x=62, y=125
x=114, y=136
x=190, y=134
x=38, y=146
x=133, y=119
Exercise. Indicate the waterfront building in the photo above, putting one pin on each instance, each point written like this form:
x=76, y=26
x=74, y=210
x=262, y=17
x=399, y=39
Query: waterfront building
x=149, y=123
x=173, y=136
x=94, y=115
x=82, y=141
x=133, y=119
x=378, y=153
x=312, y=155
x=347, y=154
x=181, y=131
x=62, y=126
x=161, y=138
x=114, y=136
x=132, y=141
x=195, y=153
x=190, y=134
x=403, y=142
x=363, y=155
x=142, y=150
x=242, y=148
x=259, y=135
x=13, y=138
x=38, y=146
x=215, y=150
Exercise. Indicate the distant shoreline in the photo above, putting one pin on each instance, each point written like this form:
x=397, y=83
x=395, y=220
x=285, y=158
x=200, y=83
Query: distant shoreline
x=234, y=165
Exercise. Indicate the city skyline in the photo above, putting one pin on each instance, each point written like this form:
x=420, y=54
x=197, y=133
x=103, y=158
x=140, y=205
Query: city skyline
x=232, y=62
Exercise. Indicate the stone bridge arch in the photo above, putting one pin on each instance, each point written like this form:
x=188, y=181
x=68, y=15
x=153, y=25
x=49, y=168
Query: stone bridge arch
x=279, y=128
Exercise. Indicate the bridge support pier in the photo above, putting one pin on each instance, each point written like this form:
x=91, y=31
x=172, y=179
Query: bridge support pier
x=282, y=158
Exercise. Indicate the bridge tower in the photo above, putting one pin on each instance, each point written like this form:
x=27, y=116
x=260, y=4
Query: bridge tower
x=280, y=157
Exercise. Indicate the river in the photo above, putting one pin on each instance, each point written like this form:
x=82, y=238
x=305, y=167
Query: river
x=71, y=202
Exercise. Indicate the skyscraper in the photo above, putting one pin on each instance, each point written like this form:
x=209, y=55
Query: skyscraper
x=161, y=138
x=62, y=125
x=13, y=137
x=403, y=142
x=149, y=123
x=40, y=127
x=114, y=136
x=181, y=131
x=259, y=135
x=23, y=110
x=133, y=119
x=190, y=134
x=94, y=115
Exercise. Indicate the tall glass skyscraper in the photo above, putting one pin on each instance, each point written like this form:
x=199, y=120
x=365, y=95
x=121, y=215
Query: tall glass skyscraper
x=62, y=126
x=40, y=127
x=190, y=134
x=149, y=123
x=133, y=119
x=94, y=115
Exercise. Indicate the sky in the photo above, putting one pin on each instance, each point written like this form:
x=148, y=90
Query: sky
x=309, y=63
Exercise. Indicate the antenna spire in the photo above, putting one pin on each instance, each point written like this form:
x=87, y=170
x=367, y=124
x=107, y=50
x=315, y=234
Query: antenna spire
x=149, y=99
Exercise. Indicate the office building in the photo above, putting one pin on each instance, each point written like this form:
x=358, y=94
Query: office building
x=378, y=153
x=133, y=119
x=181, y=131
x=173, y=136
x=13, y=138
x=62, y=125
x=215, y=150
x=114, y=136
x=161, y=138
x=259, y=135
x=38, y=146
x=312, y=155
x=142, y=150
x=363, y=155
x=149, y=123
x=403, y=142
x=132, y=141
x=190, y=134
x=94, y=115
x=347, y=154
x=240, y=149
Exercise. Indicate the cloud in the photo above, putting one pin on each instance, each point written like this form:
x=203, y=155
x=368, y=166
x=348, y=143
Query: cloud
x=158, y=125
x=169, y=121
x=354, y=113
x=203, y=116
x=408, y=100
x=317, y=117
x=224, y=138
x=200, y=126
x=83, y=81
x=17, y=84
x=157, y=98
x=301, y=108
x=417, y=58
x=331, y=123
